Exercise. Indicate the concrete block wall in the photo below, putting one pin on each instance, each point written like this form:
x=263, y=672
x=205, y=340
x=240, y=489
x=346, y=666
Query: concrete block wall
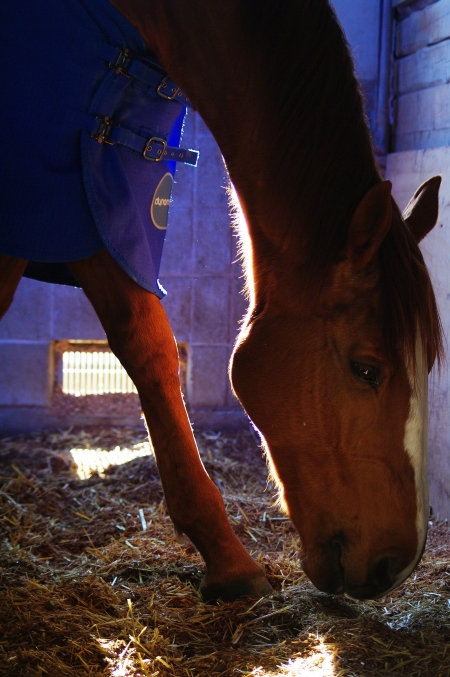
x=421, y=148
x=362, y=23
x=421, y=75
x=40, y=314
x=408, y=170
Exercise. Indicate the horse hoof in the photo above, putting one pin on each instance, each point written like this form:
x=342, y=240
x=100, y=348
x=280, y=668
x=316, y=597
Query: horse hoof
x=228, y=592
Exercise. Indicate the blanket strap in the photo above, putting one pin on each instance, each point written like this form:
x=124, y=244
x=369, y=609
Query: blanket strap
x=121, y=61
x=153, y=149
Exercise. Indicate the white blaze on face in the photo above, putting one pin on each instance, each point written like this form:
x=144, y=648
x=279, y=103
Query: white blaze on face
x=415, y=443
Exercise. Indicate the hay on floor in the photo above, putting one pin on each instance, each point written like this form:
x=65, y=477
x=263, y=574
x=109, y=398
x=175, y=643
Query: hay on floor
x=94, y=581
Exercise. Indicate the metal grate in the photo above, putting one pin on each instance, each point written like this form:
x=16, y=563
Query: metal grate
x=94, y=373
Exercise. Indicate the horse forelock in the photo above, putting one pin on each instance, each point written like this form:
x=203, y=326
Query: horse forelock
x=410, y=316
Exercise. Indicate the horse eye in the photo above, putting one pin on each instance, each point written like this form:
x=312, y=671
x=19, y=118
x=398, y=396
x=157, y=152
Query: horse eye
x=367, y=373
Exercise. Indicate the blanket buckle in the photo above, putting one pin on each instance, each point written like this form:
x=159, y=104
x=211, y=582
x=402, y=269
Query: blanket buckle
x=103, y=131
x=122, y=63
x=149, y=147
x=174, y=91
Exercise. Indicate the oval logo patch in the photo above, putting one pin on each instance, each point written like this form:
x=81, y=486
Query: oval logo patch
x=159, y=209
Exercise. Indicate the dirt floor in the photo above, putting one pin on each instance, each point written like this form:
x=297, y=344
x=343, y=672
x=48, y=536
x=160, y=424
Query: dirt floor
x=94, y=582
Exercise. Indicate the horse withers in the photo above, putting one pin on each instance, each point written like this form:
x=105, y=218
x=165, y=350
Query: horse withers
x=331, y=363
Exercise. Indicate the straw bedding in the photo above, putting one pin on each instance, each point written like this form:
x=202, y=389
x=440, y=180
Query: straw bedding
x=94, y=581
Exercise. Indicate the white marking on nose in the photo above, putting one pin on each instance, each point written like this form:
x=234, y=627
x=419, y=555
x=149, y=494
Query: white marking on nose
x=415, y=443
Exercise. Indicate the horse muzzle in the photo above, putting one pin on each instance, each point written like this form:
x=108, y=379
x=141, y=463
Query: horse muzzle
x=336, y=570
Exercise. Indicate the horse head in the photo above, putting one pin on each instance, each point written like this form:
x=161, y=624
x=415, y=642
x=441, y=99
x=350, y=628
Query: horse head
x=343, y=415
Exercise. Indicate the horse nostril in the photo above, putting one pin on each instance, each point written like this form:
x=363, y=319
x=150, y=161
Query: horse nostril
x=336, y=582
x=383, y=573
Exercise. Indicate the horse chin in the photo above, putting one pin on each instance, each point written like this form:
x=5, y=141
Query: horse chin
x=325, y=572
x=328, y=573
x=342, y=558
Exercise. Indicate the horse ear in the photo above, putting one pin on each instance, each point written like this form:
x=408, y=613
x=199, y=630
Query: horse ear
x=369, y=225
x=422, y=211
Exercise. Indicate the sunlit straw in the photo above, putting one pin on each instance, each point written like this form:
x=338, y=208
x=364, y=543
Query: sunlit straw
x=318, y=664
x=90, y=461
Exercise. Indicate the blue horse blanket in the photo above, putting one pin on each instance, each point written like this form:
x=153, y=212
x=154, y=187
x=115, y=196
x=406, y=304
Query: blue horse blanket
x=77, y=130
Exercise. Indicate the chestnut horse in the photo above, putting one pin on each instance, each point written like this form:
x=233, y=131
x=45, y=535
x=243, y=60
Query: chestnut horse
x=332, y=360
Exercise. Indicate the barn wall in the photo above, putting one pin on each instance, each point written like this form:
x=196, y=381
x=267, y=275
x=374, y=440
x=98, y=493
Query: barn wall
x=361, y=22
x=421, y=144
x=422, y=76
x=40, y=314
x=407, y=171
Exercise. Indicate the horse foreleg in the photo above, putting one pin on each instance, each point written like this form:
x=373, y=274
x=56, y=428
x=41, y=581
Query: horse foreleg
x=140, y=336
x=11, y=271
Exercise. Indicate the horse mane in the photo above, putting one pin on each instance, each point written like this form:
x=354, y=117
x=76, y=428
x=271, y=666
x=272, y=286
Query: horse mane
x=313, y=99
x=313, y=110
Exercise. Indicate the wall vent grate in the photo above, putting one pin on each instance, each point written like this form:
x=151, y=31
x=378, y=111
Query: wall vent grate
x=94, y=373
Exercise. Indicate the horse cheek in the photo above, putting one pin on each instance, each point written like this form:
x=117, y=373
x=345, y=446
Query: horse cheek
x=252, y=375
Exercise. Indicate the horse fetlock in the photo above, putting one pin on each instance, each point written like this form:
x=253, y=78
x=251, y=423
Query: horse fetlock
x=227, y=561
x=231, y=573
x=228, y=592
x=254, y=584
x=226, y=558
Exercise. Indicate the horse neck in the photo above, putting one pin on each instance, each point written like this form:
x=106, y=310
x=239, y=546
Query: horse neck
x=275, y=85
x=191, y=41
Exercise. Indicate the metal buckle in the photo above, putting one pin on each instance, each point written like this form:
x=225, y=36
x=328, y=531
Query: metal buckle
x=148, y=148
x=122, y=63
x=104, y=129
x=162, y=85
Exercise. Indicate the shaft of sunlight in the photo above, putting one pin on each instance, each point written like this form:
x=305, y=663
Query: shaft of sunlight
x=90, y=461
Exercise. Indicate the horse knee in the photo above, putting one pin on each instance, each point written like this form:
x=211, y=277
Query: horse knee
x=138, y=332
x=150, y=363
